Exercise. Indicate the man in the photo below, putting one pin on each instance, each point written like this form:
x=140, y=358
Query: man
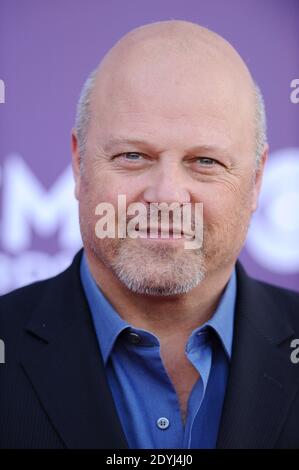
x=141, y=342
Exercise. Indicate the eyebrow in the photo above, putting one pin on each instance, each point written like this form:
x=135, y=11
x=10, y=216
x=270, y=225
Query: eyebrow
x=200, y=148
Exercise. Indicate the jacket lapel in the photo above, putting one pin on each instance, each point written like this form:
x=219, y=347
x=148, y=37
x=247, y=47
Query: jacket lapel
x=262, y=382
x=62, y=360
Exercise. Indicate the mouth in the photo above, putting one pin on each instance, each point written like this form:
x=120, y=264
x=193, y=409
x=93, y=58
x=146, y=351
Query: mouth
x=164, y=233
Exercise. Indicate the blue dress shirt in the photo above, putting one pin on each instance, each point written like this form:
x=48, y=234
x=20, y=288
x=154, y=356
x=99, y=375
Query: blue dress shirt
x=144, y=395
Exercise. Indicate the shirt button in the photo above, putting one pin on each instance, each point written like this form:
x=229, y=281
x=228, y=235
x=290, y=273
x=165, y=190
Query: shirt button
x=163, y=423
x=134, y=338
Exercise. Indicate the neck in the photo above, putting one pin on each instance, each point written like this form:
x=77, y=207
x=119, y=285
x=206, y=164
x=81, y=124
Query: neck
x=165, y=317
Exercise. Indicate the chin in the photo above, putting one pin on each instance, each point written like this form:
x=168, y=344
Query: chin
x=157, y=279
x=158, y=289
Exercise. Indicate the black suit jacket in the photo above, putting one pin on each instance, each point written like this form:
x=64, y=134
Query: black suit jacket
x=53, y=389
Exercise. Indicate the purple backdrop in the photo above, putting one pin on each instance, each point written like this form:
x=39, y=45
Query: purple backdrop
x=48, y=47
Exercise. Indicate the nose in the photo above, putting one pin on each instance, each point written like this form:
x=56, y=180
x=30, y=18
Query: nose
x=167, y=184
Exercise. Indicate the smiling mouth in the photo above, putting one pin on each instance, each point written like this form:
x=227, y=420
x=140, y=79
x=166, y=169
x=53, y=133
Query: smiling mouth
x=164, y=234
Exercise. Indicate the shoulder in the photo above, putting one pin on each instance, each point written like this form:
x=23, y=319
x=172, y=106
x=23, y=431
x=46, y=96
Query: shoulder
x=278, y=294
x=261, y=287
x=17, y=306
x=266, y=297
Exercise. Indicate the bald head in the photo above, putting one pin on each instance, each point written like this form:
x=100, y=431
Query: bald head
x=169, y=65
x=177, y=42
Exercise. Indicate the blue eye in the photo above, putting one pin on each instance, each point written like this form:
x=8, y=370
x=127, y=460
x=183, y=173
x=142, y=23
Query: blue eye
x=132, y=154
x=205, y=161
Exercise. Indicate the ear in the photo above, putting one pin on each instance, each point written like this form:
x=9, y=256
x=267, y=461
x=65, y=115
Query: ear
x=76, y=162
x=259, y=177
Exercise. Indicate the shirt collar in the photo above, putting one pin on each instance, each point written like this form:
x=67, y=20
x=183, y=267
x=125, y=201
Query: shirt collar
x=222, y=321
x=108, y=323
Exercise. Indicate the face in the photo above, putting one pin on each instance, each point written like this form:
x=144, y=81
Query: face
x=169, y=135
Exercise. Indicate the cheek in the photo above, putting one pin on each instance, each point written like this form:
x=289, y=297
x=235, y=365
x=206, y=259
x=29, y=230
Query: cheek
x=115, y=185
x=222, y=206
x=107, y=190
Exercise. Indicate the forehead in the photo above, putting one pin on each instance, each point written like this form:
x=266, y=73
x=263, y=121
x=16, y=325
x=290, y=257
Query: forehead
x=200, y=94
x=172, y=82
x=167, y=121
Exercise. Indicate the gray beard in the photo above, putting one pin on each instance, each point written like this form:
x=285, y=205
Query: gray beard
x=158, y=270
